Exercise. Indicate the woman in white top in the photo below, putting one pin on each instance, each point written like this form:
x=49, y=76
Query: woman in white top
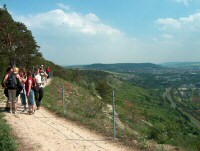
x=39, y=91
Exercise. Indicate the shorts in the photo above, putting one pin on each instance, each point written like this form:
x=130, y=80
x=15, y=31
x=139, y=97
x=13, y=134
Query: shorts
x=12, y=96
x=31, y=99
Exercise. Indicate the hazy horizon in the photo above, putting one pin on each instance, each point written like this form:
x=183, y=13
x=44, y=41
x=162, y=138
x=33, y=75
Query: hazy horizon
x=132, y=63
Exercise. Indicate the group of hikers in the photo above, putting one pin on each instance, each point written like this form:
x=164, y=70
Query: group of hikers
x=29, y=86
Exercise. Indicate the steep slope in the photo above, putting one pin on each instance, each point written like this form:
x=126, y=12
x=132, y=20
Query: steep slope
x=141, y=115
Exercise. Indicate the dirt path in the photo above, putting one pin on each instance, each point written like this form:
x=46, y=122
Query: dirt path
x=44, y=131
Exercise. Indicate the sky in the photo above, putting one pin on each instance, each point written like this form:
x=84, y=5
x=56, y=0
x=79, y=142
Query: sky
x=75, y=32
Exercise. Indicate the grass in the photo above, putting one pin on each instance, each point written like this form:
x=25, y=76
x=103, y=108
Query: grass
x=7, y=140
x=80, y=105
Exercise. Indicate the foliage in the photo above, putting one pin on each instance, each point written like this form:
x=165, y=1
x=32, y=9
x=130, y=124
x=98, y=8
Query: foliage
x=104, y=90
x=150, y=114
x=17, y=44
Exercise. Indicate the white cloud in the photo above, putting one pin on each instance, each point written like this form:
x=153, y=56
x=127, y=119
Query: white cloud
x=63, y=6
x=190, y=23
x=167, y=36
x=181, y=35
x=168, y=23
x=185, y=2
x=88, y=24
x=69, y=35
x=74, y=38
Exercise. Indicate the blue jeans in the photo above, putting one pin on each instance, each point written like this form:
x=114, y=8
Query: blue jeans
x=23, y=98
x=31, y=99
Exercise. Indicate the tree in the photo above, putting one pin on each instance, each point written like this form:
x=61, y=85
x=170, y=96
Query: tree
x=104, y=90
x=17, y=45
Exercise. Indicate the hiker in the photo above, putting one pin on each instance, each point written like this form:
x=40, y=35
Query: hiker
x=48, y=71
x=24, y=71
x=30, y=92
x=41, y=68
x=39, y=90
x=23, y=92
x=7, y=108
x=19, y=86
x=10, y=82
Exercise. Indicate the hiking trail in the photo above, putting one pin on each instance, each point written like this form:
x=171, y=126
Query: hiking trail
x=45, y=131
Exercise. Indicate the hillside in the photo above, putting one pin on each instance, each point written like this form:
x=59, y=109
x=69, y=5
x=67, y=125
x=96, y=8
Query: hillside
x=122, y=67
x=145, y=116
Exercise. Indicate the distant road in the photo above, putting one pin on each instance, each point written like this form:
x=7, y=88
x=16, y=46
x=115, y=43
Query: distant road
x=168, y=96
x=173, y=105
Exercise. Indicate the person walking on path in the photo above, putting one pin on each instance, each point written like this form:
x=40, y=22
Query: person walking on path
x=41, y=68
x=19, y=86
x=30, y=92
x=23, y=92
x=39, y=90
x=48, y=71
x=7, y=108
x=10, y=83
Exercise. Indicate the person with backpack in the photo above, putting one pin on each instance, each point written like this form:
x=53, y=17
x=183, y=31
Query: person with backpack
x=10, y=83
x=7, y=108
x=39, y=90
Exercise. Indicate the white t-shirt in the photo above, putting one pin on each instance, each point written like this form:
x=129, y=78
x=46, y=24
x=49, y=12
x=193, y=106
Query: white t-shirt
x=39, y=81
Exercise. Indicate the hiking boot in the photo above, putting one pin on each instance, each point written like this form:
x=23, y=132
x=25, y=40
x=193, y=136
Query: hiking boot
x=31, y=113
x=24, y=110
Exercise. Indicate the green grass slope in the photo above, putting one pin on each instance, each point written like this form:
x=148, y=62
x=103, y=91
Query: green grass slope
x=143, y=114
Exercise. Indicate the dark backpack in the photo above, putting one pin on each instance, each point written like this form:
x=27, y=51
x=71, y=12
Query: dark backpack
x=11, y=81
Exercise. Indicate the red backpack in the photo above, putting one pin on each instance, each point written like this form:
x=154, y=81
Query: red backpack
x=48, y=70
x=34, y=83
